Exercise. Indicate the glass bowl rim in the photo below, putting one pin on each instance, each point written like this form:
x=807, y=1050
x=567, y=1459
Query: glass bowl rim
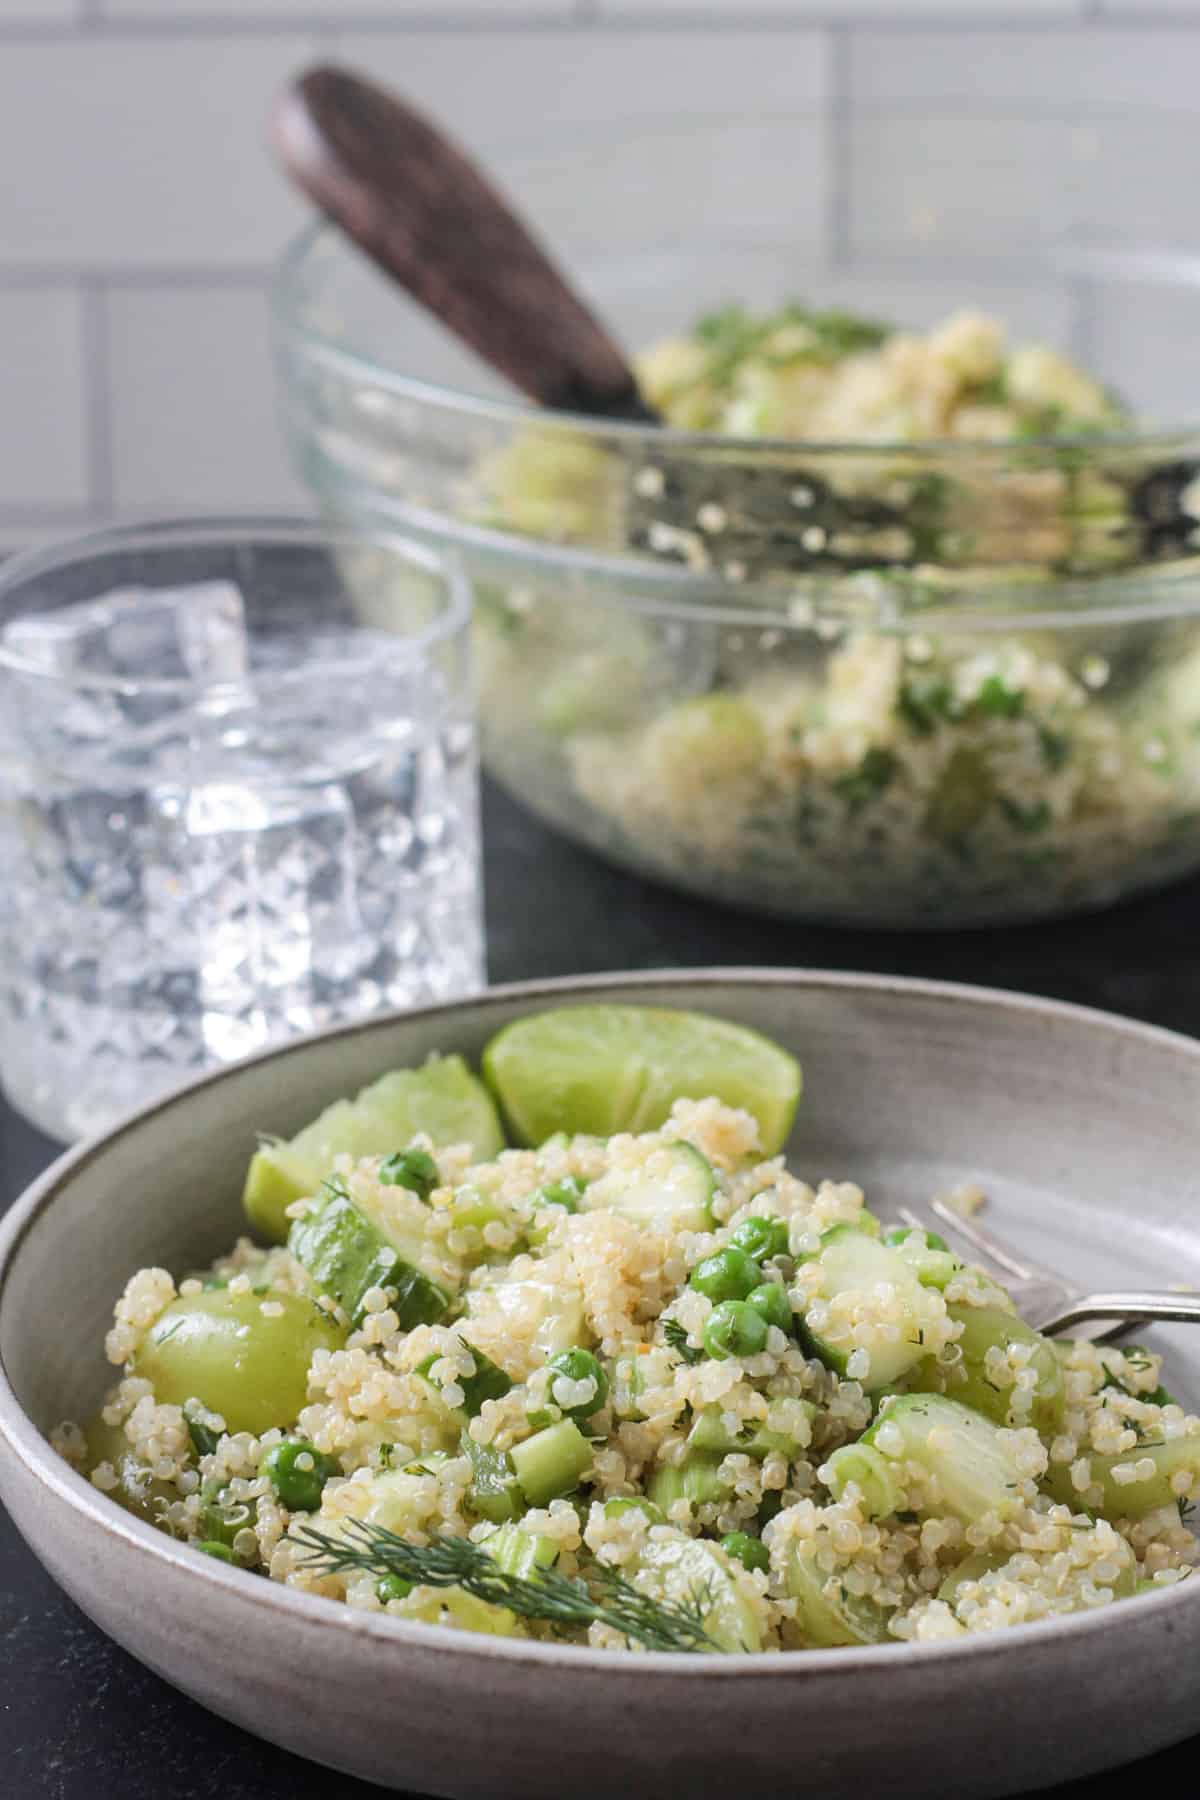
x=266, y=529
x=287, y=287
x=664, y=590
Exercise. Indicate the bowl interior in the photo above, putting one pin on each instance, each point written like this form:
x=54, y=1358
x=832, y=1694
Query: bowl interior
x=1081, y=1128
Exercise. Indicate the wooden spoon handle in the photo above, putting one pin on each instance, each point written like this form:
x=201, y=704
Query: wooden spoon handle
x=427, y=216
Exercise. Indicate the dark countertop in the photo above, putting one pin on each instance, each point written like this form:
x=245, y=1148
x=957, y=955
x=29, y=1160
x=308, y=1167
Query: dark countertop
x=80, y=1720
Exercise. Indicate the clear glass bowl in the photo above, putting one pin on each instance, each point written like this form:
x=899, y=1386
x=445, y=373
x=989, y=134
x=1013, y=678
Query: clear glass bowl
x=891, y=684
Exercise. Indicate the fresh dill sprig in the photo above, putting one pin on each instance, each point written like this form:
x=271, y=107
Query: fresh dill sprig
x=677, y=1340
x=605, y=1598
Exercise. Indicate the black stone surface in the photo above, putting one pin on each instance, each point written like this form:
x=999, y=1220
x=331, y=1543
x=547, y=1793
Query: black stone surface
x=80, y=1720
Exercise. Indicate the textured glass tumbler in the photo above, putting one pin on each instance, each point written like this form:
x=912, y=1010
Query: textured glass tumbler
x=238, y=801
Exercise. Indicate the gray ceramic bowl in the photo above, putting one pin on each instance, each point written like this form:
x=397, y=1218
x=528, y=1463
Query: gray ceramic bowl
x=1084, y=1128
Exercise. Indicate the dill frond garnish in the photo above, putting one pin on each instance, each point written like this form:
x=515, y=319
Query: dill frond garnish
x=604, y=1597
x=677, y=1340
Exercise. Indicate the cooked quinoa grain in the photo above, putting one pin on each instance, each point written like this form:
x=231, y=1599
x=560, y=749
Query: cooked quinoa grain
x=947, y=689
x=915, y=1463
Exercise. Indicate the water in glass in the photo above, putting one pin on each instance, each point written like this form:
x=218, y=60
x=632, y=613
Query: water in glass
x=266, y=838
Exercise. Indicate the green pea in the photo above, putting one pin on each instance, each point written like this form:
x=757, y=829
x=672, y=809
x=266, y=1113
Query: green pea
x=298, y=1473
x=579, y=1365
x=734, y=1329
x=392, y=1587
x=244, y=1358
x=761, y=1238
x=749, y=1551
x=565, y=1193
x=218, y=1552
x=412, y=1169
x=899, y=1234
x=772, y=1302
x=728, y=1274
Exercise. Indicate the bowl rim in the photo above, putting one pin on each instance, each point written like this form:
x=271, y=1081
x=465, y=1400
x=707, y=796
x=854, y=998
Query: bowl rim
x=287, y=287
x=21, y=1439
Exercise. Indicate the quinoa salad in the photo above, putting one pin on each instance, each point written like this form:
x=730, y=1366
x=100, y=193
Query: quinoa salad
x=903, y=711
x=635, y=1388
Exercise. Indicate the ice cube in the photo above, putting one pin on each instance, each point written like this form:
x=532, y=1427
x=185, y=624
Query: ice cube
x=212, y=632
x=65, y=642
x=195, y=633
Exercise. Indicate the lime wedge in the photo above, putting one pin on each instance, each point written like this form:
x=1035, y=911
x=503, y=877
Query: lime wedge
x=602, y=1069
x=443, y=1098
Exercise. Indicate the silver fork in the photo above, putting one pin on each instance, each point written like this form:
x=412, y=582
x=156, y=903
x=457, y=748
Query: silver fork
x=1051, y=1304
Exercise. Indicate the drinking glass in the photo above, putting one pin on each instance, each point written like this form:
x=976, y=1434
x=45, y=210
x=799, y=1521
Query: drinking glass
x=238, y=800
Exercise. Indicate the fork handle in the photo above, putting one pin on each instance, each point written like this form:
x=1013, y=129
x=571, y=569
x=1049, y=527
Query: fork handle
x=1136, y=1306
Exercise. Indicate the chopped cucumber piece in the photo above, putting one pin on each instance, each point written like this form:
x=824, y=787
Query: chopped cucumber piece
x=471, y=1209
x=628, y=1386
x=221, y=1520
x=551, y=1462
x=1127, y=1498
x=985, y=1328
x=696, y=1479
x=558, y=1310
x=347, y=1254
x=607, y=1068
x=688, y=1571
x=520, y=1552
x=493, y=1492
x=677, y=1196
x=594, y=691
x=973, y=1568
x=454, y=1606
x=708, y=1433
x=853, y=1263
x=976, y=1471
x=442, y=1099
x=395, y=1498
x=871, y=1473
x=933, y=1263
x=964, y=791
x=985, y=1563
x=489, y=1382
x=623, y=1503
x=136, y=1490
x=827, y=1612
x=708, y=739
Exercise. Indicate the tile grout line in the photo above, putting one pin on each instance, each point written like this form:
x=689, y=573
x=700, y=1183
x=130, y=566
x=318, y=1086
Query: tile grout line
x=246, y=23
x=113, y=277
x=93, y=21
x=97, y=394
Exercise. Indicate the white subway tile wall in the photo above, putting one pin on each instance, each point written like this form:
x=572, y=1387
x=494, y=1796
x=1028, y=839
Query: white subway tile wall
x=43, y=441
x=137, y=241
x=40, y=12
x=192, y=402
x=431, y=11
